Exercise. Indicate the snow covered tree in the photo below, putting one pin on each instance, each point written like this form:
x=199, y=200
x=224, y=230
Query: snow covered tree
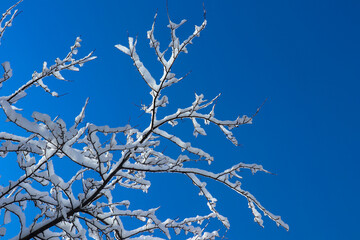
x=109, y=158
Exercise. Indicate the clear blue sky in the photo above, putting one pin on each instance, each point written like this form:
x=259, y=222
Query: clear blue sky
x=301, y=55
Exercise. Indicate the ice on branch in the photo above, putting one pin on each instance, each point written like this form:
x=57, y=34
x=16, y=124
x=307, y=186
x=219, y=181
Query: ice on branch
x=105, y=159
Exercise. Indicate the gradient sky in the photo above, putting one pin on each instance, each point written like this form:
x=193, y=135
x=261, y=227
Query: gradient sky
x=303, y=56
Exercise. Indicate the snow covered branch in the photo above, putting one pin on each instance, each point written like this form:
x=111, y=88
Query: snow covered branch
x=106, y=158
x=6, y=22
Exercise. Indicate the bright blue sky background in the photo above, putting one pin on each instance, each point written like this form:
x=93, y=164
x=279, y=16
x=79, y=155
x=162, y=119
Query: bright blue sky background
x=301, y=55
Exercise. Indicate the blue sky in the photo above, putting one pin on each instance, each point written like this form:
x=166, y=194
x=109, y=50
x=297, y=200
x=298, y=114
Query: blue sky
x=303, y=56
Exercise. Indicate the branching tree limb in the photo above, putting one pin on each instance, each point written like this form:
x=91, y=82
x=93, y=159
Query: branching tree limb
x=83, y=206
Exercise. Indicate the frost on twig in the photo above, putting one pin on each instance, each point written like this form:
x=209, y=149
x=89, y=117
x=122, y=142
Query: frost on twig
x=105, y=158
